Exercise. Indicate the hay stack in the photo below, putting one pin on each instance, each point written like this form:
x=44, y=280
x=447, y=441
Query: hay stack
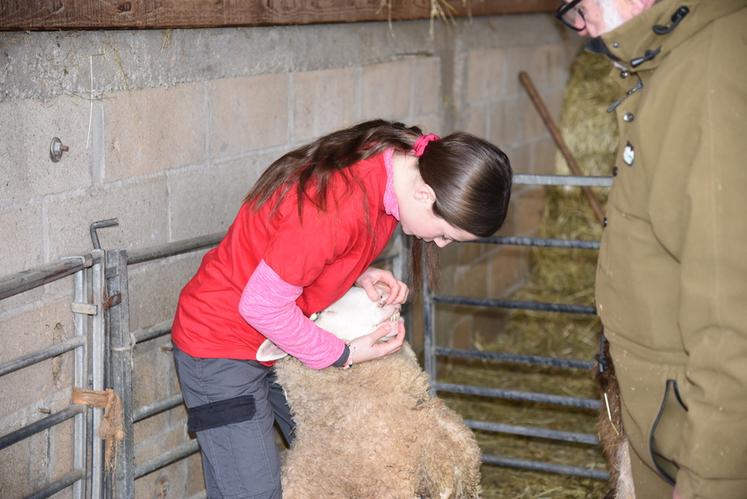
x=588, y=129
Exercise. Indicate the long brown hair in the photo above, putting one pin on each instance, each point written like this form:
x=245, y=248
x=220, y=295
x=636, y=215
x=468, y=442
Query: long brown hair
x=319, y=161
x=470, y=177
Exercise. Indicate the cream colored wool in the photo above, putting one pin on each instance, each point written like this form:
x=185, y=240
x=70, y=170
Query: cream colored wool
x=374, y=431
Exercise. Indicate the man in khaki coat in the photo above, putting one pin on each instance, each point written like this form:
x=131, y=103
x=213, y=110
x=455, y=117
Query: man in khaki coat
x=672, y=274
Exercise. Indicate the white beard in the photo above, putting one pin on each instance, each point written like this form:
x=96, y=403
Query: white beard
x=610, y=14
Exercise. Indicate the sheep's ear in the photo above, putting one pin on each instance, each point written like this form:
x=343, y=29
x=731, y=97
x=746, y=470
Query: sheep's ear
x=268, y=351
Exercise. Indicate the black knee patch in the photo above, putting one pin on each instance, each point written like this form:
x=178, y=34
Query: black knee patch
x=221, y=413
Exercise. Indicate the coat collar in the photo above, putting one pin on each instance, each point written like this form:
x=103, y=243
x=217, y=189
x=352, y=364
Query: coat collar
x=637, y=46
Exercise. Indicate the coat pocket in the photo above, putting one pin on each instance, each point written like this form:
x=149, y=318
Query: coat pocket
x=666, y=432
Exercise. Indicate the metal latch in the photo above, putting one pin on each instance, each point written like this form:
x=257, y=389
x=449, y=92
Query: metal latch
x=112, y=301
x=84, y=308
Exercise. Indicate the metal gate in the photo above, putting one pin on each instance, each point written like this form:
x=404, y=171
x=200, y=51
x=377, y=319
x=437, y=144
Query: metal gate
x=88, y=343
x=103, y=345
x=432, y=351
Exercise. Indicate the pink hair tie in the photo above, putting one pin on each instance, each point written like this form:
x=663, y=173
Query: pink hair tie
x=419, y=148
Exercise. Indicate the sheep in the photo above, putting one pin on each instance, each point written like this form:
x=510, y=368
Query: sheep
x=374, y=430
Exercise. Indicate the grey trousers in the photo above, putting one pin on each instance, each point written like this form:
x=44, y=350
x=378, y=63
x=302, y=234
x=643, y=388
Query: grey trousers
x=237, y=441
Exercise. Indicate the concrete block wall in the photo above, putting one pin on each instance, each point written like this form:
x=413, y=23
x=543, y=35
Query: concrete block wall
x=168, y=130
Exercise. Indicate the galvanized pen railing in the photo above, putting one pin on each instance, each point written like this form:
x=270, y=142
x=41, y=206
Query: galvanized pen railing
x=433, y=351
x=88, y=345
x=104, y=358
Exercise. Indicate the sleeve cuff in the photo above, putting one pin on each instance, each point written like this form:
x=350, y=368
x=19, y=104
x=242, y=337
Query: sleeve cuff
x=343, y=358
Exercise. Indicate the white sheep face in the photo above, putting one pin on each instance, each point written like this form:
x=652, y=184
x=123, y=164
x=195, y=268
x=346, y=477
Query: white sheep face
x=355, y=315
x=350, y=317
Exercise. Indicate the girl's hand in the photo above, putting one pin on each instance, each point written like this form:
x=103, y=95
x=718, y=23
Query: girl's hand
x=370, y=347
x=372, y=277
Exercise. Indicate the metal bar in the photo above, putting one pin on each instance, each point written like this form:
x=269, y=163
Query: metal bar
x=97, y=352
x=566, y=180
x=195, y=244
x=563, y=436
x=147, y=411
x=41, y=425
x=41, y=355
x=560, y=469
x=152, y=332
x=400, y=259
x=429, y=341
x=514, y=358
x=173, y=249
x=100, y=224
x=404, y=264
x=17, y=283
x=80, y=377
x=169, y=457
x=516, y=304
x=58, y=485
x=545, y=398
x=549, y=122
x=119, y=375
x=538, y=242
x=390, y=255
x=89, y=436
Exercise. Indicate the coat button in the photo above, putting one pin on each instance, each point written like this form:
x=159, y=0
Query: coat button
x=628, y=117
x=624, y=74
x=629, y=154
x=614, y=171
x=604, y=222
x=615, y=45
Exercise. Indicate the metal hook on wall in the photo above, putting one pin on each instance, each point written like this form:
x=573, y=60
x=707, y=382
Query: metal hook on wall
x=100, y=224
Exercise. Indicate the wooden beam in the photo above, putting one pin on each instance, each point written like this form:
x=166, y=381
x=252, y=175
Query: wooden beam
x=146, y=14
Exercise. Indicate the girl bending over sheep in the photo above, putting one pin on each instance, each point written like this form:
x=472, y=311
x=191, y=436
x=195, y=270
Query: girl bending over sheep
x=307, y=231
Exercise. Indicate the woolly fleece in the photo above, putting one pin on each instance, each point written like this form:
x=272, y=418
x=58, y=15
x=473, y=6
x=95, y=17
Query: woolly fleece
x=374, y=431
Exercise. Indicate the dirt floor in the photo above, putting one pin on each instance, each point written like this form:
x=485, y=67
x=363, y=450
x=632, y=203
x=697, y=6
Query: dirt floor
x=563, y=276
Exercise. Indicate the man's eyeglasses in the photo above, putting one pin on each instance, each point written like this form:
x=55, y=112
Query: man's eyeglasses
x=570, y=15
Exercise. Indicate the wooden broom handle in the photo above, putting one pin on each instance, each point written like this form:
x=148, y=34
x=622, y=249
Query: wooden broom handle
x=539, y=104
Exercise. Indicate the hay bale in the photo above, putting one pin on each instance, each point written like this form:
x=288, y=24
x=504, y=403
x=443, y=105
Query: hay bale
x=588, y=129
